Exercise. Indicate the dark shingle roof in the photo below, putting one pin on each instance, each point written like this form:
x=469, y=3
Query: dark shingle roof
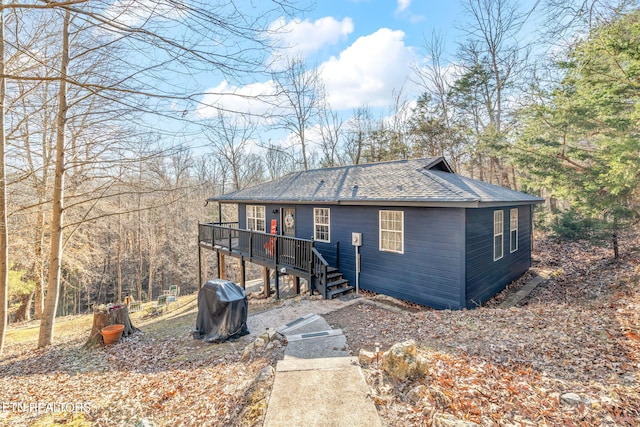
x=423, y=182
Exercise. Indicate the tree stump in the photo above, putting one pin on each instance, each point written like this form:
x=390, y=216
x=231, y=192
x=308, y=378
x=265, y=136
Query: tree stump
x=106, y=317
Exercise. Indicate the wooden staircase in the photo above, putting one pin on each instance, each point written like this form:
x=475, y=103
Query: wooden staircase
x=327, y=280
x=337, y=285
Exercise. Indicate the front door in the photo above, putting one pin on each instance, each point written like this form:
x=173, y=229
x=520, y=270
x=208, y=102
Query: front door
x=289, y=222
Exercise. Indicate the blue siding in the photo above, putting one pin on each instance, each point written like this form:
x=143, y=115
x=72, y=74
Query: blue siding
x=486, y=277
x=448, y=252
x=429, y=272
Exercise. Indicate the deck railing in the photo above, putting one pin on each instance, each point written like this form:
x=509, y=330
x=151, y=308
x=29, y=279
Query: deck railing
x=319, y=271
x=284, y=251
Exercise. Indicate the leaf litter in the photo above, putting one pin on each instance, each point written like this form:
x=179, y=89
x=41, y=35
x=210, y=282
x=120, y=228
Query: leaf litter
x=569, y=354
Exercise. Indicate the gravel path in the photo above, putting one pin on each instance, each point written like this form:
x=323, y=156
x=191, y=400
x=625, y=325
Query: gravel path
x=291, y=310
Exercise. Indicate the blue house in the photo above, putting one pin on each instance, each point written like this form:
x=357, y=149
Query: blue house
x=410, y=229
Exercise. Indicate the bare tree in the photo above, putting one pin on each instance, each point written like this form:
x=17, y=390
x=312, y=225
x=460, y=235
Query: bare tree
x=57, y=221
x=278, y=161
x=435, y=128
x=492, y=57
x=136, y=27
x=230, y=136
x=299, y=92
x=359, y=129
x=4, y=238
x=331, y=136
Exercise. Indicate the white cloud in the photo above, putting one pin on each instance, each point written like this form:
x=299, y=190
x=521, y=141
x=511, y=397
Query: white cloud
x=298, y=37
x=368, y=71
x=403, y=5
x=248, y=99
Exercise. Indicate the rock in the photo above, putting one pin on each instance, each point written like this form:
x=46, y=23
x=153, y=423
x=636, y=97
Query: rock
x=448, y=420
x=265, y=374
x=402, y=361
x=441, y=399
x=386, y=298
x=571, y=399
x=259, y=342
x=248, y=352
x=366, y=357
x=417, y=393
x=256, y=398
x=269, y=335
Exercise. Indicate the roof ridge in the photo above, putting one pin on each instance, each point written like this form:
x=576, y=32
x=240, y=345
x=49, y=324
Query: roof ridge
x=430, y=160
x=456, y=190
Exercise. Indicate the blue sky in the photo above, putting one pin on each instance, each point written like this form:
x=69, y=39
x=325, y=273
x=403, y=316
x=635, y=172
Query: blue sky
x=365, y=52
x=364, y=49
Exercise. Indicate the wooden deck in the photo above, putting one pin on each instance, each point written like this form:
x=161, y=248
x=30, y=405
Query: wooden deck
x=261, y=248
x=288, y=255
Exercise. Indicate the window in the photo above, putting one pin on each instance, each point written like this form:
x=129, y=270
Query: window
x=392, y=231
x=256, y=218
x=498, y=225
x=513, y=229
x=321, y=224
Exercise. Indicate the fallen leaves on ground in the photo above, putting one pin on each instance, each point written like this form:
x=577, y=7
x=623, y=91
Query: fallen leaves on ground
x=576, y=333
x=158, y=378
x=569, y=354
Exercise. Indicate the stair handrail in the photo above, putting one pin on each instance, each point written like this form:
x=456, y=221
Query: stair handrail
x=320, y=266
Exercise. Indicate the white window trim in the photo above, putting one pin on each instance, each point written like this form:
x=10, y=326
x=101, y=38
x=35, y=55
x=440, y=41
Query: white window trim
x=513, y=226
x=380, y=230
x=252, y=211
x=328, y=225
x=498, y=231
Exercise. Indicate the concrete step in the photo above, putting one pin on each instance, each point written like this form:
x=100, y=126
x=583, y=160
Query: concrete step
x=287, y=365
x=314, y=346
x=307, y=323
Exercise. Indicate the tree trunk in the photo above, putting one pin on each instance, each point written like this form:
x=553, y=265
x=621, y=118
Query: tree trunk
x=4, y=251
x=55, y=259
x=102, y=318
x=23, y=313
x=150, y=274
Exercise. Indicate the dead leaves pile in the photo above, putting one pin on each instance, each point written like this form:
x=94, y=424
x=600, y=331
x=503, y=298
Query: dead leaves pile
x=569, y=356
x=143, y=380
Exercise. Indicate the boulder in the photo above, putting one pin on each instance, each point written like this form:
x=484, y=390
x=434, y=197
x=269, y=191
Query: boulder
x=366, y=357
x=571, y=399
x=417, y=393
x=402, y=361
x=448, y=420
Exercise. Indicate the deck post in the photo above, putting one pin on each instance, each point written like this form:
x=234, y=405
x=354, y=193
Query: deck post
x=266, y=284
x=199, y=265
x=218, y=263
x=223, y=267
x=275, y=267
x=296, y=284
x=243, y=272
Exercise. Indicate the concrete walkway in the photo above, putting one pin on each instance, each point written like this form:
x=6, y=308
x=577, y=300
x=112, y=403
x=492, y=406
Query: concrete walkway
x=539, y=277
x=318, y=383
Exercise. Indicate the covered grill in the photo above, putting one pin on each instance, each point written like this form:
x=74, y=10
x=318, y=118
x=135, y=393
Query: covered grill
x=222, y=311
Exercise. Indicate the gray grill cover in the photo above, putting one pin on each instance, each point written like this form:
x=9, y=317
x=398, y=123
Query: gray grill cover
x=222, y=311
